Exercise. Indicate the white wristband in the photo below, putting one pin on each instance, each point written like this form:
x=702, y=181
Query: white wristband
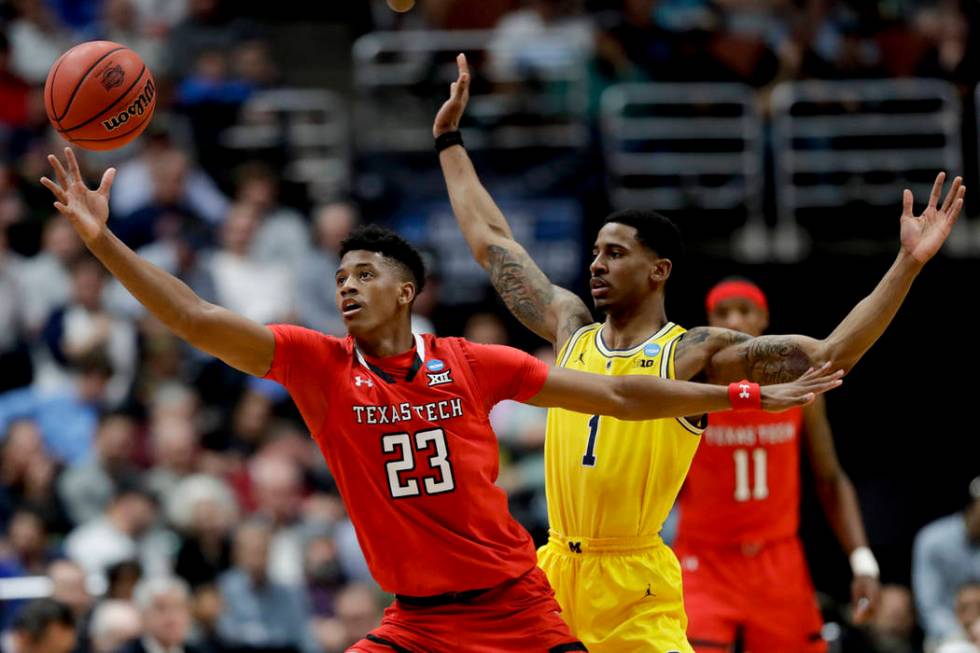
x=863, y=562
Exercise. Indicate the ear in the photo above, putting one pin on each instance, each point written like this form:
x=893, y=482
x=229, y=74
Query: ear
x=765, y=321
x=406, y=293
x=660, y=271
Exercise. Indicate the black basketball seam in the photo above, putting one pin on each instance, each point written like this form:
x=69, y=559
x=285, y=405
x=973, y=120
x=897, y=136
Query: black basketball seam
x=54, y=73
x=119, y=99
x=149, y=114
x=82, y=79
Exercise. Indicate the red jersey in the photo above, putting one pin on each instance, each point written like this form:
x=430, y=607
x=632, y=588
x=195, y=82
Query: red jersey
x=409, y=443
x=744, y=483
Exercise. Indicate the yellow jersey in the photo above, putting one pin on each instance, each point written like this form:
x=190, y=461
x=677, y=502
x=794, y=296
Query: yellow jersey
x=607, y=478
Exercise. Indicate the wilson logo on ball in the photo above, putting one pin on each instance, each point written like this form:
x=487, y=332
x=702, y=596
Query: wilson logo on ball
x=112, y=77
x=136, y=108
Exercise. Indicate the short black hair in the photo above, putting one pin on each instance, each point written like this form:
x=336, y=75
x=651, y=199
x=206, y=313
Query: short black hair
x=373, y=238
x=655, y=231
x=36, y=617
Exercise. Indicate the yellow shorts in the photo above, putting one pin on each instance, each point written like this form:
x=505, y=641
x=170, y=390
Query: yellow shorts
x=618, y=595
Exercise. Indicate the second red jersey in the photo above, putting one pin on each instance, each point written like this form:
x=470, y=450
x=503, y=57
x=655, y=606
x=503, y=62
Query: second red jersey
x=744, y=483
x=409, y=443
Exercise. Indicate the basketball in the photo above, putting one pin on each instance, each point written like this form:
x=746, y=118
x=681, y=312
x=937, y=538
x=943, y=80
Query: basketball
x=99, y=95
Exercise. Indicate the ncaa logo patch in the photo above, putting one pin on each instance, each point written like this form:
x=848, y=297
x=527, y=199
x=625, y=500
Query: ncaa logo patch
x=652, y=349
x=435, y=365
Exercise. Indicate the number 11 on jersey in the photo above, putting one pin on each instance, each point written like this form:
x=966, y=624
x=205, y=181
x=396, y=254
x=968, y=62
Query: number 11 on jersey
x=588, y=460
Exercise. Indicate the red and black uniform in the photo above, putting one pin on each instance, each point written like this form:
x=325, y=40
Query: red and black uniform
x=408, y=440
x=743, y=565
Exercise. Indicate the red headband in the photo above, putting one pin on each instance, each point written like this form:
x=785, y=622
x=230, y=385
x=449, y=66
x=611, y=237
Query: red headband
x=736, y=289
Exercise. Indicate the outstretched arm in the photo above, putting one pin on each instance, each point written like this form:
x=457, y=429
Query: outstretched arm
x=643, y=397
x=550, y=311
x=723, y=356
x=238, y=341
x=840, y=504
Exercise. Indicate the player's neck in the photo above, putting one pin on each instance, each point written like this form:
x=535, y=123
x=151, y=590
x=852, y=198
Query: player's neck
x=628, y=326
x=386, y=342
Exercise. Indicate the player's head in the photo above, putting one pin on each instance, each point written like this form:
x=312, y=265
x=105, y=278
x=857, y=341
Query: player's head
x=632, y=258
x=738, y=304
x=379, y=276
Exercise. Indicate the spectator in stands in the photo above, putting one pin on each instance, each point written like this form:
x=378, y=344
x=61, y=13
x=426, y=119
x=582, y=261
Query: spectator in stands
x=114, y=623
x=210, y=25
x=123, y=577
x=88, y=487
x=544, y=36
x=324, y=576
x=486, y=329
x=893, y=621
x=247, y=430
x=42, y=626
x=967, y=608
x=282, y=236
x=164, y=603
x=26, y=553
x=163, y=179
x=45, y=277
x=84, y=326
x=261, y=291
x=203, y=510
x=14, y=359
x=119, y=22
x=67, y=418
x=946, y=552
x=317, y=303
x=278, y=489
x=206, y=609
x=175, y=443
x=836, y=44
x=14, y=91
x=260, y=613
x=29, y=552
x=358, y=612
x=68, y=586
x=253, y=64
x=122, y=533
x=37, y=39
x=631, y=46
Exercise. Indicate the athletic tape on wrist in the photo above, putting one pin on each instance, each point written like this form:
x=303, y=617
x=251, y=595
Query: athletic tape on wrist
x=863, y=562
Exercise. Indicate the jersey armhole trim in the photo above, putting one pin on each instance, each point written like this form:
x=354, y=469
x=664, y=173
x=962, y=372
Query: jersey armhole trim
x=566, y=352
x=667, y=372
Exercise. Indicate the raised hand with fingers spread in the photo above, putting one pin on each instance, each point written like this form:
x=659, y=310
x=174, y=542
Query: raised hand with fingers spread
x=924, y=235
x=87, y=210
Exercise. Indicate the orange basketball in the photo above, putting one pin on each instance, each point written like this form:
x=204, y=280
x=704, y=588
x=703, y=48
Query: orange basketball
x=99, y=95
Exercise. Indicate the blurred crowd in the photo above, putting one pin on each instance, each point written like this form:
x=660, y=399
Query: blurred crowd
x=159, y=501
x=752, y=41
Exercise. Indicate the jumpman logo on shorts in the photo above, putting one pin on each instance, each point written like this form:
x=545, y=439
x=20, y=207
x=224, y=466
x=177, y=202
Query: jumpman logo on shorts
x=649, y=593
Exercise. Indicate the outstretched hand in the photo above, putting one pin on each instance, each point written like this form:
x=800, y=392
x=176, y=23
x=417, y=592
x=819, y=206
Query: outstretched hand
x=802, y=391
x=924, y=235
x=87, y=210
x=449, y=115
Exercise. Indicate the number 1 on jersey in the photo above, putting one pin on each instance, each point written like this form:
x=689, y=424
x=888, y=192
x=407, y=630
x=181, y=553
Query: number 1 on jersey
x=588, y=459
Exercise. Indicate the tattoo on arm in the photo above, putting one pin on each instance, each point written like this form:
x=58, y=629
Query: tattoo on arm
x=774, y=359
x=522, y=286
x=551, y=312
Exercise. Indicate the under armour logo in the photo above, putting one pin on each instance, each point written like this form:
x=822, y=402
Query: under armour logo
x=744, y=387
x=575, y=547
x=360, y=380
